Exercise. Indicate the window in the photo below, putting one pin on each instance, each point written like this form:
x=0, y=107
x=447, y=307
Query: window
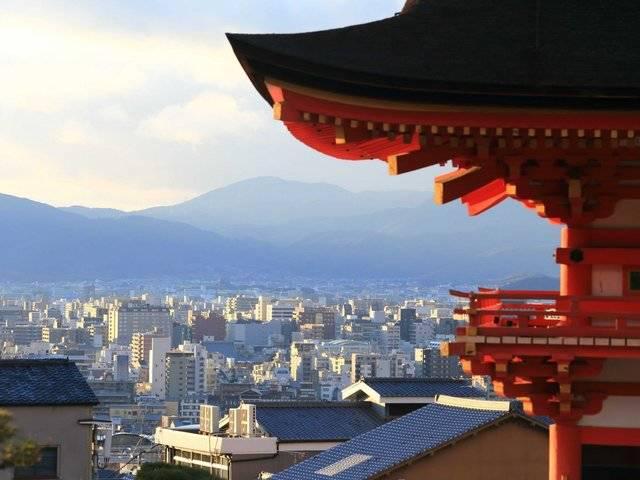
x=634, y=280
x=46, y=468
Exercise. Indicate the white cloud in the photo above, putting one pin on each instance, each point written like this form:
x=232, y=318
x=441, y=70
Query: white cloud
x=114, y=113
x=32, y=173
x=76, y=133
x=49, y=65
x=207, y=117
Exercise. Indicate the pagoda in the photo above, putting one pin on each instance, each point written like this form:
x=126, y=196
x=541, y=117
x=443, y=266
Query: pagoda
x=537, y=101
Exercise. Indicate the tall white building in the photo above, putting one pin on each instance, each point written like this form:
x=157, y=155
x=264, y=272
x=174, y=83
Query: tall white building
x=200, y=364
x=157, y=369
x=261, y=310
x=422, y=332
x=389, y=337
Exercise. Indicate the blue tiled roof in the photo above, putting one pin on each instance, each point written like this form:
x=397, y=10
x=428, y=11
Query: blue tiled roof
x=394, y=443
x=423, y=387
x=43, y=382
x=316, y=421
x=228, y=349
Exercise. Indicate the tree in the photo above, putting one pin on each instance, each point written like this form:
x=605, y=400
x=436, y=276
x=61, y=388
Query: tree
x=14, y=452
x=165, y=471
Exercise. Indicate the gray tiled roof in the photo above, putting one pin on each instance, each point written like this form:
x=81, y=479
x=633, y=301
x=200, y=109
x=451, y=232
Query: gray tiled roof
x=43, y=382
x=423, y=387
x=394, y=443
x=316, y=421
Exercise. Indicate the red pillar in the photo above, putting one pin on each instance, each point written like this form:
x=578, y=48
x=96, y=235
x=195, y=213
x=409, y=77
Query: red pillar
x=565, y=447
x=575, y=278
x=565, y=452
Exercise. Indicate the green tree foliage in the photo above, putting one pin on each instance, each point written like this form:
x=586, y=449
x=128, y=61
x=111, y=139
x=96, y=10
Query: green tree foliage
x=164, y=471
x=14, y=452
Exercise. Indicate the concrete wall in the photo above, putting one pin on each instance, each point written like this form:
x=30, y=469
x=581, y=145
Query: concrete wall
x=512, y=450
x=58, y=427
x=249, y=470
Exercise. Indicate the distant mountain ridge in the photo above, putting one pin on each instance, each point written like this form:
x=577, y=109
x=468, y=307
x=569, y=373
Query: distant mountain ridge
x=267, y=201
x=273, y=226
x=95, y=212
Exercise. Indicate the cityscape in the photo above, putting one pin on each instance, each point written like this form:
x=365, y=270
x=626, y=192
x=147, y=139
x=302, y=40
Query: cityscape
x=401, y=242
x=152, y=359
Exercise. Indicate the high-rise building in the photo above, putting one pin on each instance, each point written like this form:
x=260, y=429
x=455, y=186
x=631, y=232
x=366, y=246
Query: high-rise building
x=363, y=365
x=136, y=316
x=180, y=374
x=26, y=334
x=141, y=346
x=389, y=337
x=320, y=316
x=237, y=305
x=121, y=366
x=200, y=354
x=407, y=319
x=422, y=332
x=302, y=361
x=430, y=363
x=281, y=310
x=261, y=310
x=12, y=315
x=160, y=346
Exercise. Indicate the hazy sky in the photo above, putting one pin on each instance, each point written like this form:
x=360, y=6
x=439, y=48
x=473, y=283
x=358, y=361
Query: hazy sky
x=133, y=103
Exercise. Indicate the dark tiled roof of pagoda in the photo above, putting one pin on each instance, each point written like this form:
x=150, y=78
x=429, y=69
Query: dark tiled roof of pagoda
x=572, y=53
x=50, y=382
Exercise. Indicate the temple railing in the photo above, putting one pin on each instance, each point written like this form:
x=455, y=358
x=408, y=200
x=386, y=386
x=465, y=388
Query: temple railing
x=549, y=314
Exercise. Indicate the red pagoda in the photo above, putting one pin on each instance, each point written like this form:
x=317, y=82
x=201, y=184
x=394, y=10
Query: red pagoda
x=533, y=100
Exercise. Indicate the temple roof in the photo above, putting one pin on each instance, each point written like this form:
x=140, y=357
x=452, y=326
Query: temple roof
x=533, y=53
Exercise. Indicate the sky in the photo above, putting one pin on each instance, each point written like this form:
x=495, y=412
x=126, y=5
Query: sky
x=130, y=104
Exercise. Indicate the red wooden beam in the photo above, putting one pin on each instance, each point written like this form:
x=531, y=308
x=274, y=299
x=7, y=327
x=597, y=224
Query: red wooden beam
x=451, y=186
x=353, y=108
x=600, y=256
x=486, y=197
x=399, y=164
x=627, y=437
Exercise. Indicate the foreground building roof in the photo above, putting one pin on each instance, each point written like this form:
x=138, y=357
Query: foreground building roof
x=569, y=53
x=423, y=387
x=409, y=437
x=46, y=382
x=379, y=389
x=316, y=421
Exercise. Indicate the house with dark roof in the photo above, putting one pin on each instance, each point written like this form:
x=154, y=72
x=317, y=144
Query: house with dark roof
x=394, y=397
x=449, y=439
x=51, y=404
x=267, y=436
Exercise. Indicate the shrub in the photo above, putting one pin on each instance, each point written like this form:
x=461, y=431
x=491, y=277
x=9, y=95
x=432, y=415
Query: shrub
x=164, y=471
x=13, y=452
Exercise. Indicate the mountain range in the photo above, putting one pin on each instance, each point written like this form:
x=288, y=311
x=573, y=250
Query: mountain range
x=272, y=226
